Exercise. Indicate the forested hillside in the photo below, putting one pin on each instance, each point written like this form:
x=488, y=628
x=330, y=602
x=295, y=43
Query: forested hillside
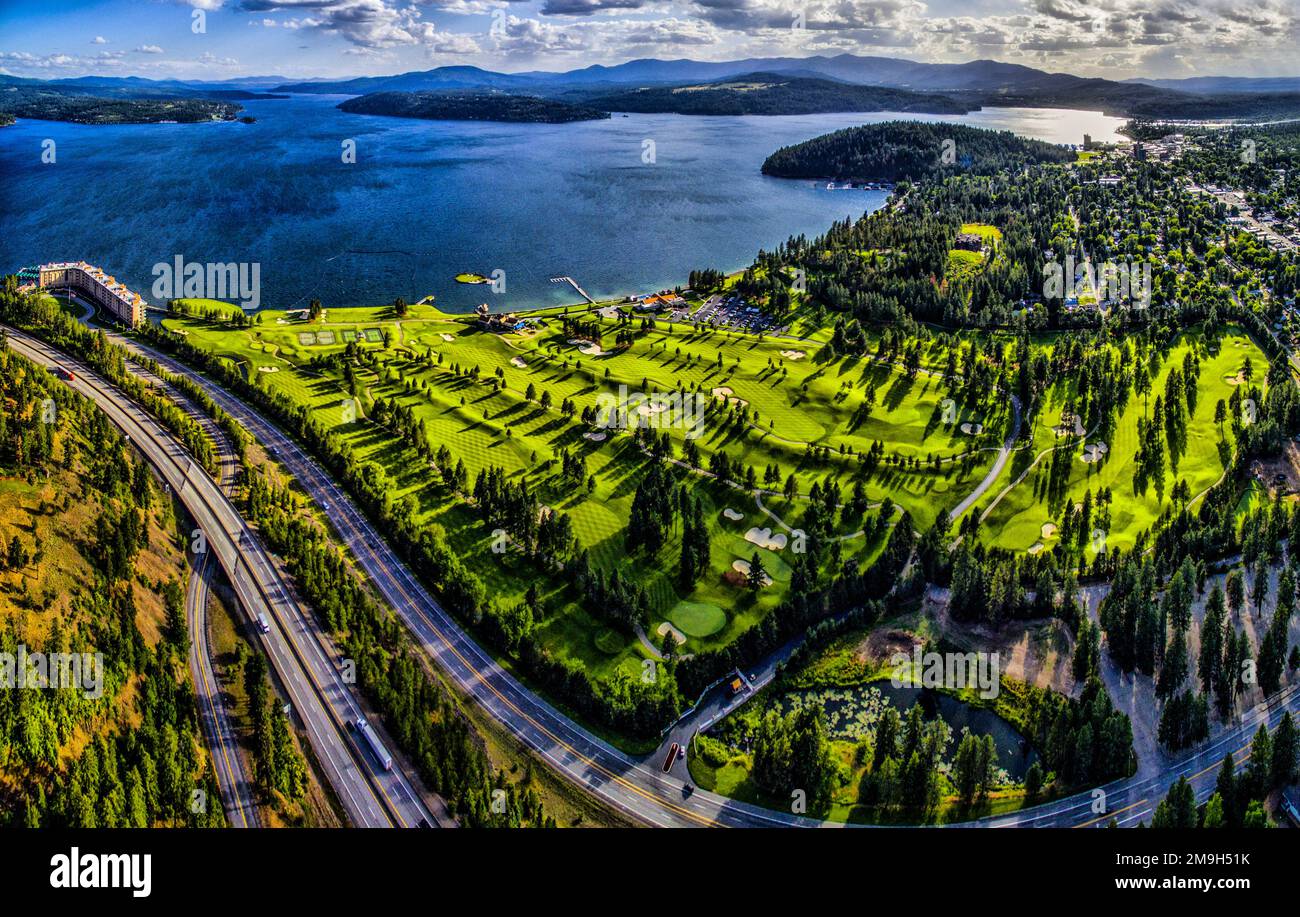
x=92, y=565
x=912, y=151
x=473, y=106
x=772, y=94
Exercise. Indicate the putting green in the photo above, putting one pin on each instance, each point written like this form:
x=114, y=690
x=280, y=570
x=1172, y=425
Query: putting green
x=697, y=619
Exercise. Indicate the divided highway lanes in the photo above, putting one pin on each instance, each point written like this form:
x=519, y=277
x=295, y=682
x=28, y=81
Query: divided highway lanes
x=233, y=777
x=371, y=797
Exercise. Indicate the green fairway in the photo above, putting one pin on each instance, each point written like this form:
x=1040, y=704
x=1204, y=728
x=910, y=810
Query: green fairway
x=775, y=405
x=1017, y=521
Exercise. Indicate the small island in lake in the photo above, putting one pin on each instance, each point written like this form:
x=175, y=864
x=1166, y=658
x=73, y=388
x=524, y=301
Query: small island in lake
x=469, y=277
x=470, y=106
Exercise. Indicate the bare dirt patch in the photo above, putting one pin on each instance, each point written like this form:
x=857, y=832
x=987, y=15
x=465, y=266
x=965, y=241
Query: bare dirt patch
x=1035, y=651
x=881, y=645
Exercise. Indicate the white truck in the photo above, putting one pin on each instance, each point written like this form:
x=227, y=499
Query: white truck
x=372, y=743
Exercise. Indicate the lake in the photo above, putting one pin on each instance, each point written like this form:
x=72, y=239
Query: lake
x=426, y=200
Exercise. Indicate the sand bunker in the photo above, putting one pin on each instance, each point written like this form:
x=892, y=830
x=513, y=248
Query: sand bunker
x=1094, y=452
x=587, y=348
x=595, y=437
x=447, y=337
x=666, y=628
x=654, y=407
x=732, y=514
x=722, y=391
x=518, y=361
x=972, y=429
x=742, y=567
x=268, y=369
x=765, y=539
x=1049, y=529
x=1036, y=547
x=793, y=354
x=1237, y=379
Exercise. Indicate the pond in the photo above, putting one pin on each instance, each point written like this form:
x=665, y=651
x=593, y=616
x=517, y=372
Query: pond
x=851, y=715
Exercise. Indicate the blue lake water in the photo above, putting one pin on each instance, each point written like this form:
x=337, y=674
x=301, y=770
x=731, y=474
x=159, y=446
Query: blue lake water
x=426, y=200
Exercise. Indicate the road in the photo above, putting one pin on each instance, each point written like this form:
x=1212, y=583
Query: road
x=637, y=786
x=634, y=786
x=371, y=797
x=1133, y=801
x=998, y=464
x=232, y=777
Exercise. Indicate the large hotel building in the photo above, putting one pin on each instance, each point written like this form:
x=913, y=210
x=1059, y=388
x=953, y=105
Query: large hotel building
x=105, y=291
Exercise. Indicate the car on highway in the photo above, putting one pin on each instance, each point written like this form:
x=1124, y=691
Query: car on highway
x=262, y=624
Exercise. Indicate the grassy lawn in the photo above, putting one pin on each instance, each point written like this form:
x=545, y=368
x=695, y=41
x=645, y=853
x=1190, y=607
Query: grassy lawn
x=800, y=402
x=1017, y=520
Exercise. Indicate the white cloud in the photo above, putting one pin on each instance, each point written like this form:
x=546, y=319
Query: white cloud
x=99, y=40
x=149, y=49
x=208, y=59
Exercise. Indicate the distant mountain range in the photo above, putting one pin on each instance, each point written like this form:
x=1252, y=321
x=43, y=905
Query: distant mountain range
x=1212, y=85
x=135, y=87
x=971, y=85
x=981, y=75
x=828, y=84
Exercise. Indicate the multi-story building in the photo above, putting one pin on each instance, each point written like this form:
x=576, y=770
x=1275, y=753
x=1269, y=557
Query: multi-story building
x=105, y=291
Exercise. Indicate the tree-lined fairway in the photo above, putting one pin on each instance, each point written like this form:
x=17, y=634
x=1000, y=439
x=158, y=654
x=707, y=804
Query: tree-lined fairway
x=440, y=366
x=1017, y=521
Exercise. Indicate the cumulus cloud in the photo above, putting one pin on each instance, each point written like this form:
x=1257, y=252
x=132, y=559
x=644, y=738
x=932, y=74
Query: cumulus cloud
x=148, y=49
x=671, y=32
x=208, y=59
x=1115, y=38
x=587, y=7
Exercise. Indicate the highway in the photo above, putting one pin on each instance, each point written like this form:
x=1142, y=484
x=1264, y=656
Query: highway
x=637, y=787
x=370, y=796
x=232, y=777
x=1133, y=800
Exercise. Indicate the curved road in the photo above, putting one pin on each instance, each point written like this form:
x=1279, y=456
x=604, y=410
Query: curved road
x=638, y=787
x=233, y=777
x=998, y=464
x=371, y=797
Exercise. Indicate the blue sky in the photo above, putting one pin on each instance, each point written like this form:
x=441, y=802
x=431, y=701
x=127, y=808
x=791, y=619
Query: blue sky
x=221, y=39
